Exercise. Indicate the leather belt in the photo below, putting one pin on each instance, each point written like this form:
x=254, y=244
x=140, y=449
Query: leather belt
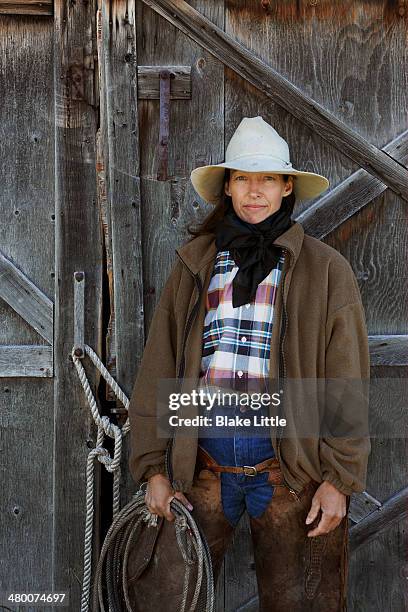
x=205, y=461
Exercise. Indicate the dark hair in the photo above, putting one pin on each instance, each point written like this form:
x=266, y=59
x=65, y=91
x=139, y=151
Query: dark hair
x=224, y=204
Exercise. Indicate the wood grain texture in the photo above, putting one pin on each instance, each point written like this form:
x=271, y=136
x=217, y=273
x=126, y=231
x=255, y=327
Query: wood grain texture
x=389, y=350
x=393, y=510
x=196, y=136
x=381, y=559
x=26, y=298
x=119, y=129
x=26, y=7
x=17, y=361
x=375, y=242
x=372, y=86
x=349, y=196
x=374, y=238
x=148, y=82
x=361, y=505
x=282, y=91
x=347, y=61
x=120, y=133
x=312, y=152
x=26, y=239
x=78, y=247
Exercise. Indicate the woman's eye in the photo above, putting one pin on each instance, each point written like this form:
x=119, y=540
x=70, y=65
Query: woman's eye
x=237, y=178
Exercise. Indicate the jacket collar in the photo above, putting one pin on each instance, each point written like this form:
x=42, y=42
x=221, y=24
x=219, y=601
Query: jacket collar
x=199, y=251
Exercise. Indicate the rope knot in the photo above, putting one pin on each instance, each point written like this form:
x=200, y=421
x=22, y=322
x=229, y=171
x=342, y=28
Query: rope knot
x=149, y=517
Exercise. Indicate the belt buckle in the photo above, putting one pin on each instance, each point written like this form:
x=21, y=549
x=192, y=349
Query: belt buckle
x=250, y=470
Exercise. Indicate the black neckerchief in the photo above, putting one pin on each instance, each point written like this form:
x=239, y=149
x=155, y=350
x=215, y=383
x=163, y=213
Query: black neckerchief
x=250, y=246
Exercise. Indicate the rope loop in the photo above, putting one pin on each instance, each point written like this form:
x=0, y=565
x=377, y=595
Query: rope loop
x=111, y=576
x=126, y=523
x=105, y=427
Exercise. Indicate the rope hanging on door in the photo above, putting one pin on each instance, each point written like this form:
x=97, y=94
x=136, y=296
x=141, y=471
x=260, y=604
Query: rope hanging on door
x=133, y=514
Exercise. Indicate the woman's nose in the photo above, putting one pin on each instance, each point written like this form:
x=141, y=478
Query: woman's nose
x=254, y=189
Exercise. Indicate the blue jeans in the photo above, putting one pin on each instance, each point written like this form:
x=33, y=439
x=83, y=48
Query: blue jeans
x=238, y=491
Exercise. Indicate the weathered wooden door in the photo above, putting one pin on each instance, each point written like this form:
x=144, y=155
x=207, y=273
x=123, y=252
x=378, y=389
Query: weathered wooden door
x=331, y=78
x=49, y=228
x=98, y=142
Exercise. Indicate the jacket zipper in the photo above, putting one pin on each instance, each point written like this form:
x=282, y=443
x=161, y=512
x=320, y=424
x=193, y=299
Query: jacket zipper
x=282, y=368
x=182, y=367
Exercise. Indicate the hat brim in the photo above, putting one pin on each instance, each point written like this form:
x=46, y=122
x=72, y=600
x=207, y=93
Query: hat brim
x=208, y=181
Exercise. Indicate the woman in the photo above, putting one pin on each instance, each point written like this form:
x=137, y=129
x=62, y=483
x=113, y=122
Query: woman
x=252, y=298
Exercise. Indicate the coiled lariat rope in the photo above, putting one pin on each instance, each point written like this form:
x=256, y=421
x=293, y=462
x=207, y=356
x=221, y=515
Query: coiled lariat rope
x=127, y=523
x=124, y=533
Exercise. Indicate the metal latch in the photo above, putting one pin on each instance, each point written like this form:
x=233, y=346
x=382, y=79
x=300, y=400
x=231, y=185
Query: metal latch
x=164, y=83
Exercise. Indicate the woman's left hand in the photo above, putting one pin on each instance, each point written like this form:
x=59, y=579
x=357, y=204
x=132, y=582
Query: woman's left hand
x=332, y=503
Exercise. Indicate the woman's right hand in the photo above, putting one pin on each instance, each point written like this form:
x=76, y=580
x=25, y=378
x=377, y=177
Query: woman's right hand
x=159, y=494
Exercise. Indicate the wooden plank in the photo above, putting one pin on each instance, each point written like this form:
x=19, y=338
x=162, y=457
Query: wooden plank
x=119, y=136
x=27, y=238
x=352, y=194
x=78, y=247
x=380, y=560
x=148, y=82
x=16, y=361
x=109, y=333
x=374, y=241
x=26, y=298
x=102, y=151
x=377, y=576
x=388, y=350
x=361, y=505
x=120, y=146
x=279, y=89
x=28, y=7
x=392, y=511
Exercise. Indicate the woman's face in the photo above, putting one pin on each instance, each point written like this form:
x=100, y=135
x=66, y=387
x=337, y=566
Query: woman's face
x=256, y=195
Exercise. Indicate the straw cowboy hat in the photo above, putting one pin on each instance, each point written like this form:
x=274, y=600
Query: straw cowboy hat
x=256, y=147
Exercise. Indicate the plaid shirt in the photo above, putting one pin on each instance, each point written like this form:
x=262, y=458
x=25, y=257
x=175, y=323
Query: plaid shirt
x=236, y=341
